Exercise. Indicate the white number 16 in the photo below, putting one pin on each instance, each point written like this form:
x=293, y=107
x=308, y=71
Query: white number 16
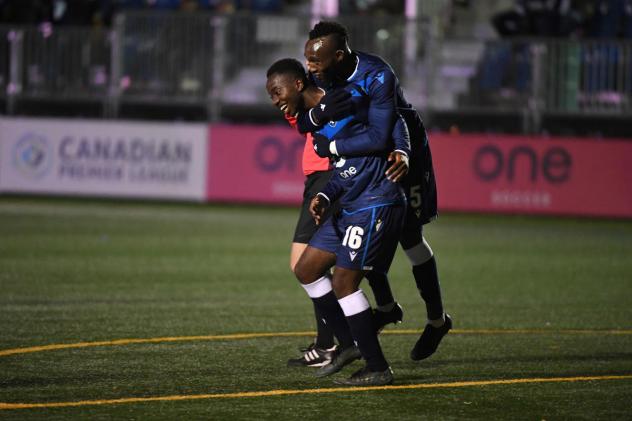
x=353, y=237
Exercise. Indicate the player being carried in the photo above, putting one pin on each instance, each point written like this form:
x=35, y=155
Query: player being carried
x=332, y=65
x=291, y=91
x=364, y=236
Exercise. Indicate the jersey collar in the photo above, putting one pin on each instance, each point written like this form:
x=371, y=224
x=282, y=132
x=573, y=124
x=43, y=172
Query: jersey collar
x=357, y=60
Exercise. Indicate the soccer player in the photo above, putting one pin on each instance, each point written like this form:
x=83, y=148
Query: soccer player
x=364, y=236
x=334, y=64
x=291, y=91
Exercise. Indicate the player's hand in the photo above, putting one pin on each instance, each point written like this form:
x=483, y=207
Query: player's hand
x=333, y=106
x=317, y=207
x=399, y=167
x=321, y=145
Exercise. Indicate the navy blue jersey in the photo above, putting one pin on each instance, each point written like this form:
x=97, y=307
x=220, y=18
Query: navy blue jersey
x=365, y=139
x=371, y=69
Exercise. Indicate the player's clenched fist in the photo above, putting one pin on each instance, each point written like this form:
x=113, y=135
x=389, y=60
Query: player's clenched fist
x=399, y=167
x=333, y=106
x=321, y=145
x=317, y=207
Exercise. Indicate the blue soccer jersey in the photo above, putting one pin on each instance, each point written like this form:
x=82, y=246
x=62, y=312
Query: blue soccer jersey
x=369, y=77
x=364, y=140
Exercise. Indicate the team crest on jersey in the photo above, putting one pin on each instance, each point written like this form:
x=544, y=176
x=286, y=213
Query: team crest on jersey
x=332, y=123
x=378, y=225
x=340, y=162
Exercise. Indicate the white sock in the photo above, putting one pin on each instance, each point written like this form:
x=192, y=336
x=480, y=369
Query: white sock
x=354, y=303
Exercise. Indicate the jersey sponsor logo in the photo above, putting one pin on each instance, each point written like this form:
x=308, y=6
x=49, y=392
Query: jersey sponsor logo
x=349, y=172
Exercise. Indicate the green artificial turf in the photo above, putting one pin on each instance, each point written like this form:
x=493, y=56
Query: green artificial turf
x=531, y=298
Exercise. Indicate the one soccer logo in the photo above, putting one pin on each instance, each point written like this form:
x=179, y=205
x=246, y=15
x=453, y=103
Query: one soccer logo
x=31, y=156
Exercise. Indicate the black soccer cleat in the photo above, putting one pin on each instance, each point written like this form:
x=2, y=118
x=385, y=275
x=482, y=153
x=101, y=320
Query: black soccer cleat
x=382, y=318
x=365, y=377
x=429, y=340
x=341, y=358
x=313, y=357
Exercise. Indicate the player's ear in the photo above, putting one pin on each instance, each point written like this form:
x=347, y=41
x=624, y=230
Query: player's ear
x=340, y=54
x=300, y=85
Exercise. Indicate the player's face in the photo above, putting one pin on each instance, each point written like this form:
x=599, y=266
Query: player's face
x=322, y=58
x=285, y=93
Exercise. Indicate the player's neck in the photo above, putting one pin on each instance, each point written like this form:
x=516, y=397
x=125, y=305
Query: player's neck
x=348, y=66
x=312, y=96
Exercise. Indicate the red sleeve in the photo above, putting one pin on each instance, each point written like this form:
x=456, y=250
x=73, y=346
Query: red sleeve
x=290, y=119
x=311, y=162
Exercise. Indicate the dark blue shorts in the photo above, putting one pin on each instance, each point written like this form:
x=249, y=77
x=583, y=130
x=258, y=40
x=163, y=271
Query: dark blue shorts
x=365, y=239
x=306, y=227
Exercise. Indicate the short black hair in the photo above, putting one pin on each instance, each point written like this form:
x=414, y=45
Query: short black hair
x=288, y=66
x=325, y=28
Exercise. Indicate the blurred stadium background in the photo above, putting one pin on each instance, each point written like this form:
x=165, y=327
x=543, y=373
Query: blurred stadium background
x=528, y=105
x=561, y=67
x=492, y=79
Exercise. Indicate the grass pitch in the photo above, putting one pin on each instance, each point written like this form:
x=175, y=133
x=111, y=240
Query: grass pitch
x=541, y=306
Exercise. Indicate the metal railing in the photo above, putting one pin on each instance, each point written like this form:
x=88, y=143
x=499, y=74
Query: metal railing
x=5, y=47
x=214, y=61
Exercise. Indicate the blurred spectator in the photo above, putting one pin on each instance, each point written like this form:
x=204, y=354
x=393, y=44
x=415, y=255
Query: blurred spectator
x=75, y=12
x=266, y=6
x=374, y=6
x=26, y=11
x=541, y=18
x=627, y=19
x=609, y=19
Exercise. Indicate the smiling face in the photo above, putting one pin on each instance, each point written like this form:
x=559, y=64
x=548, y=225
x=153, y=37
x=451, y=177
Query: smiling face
x=285, y=92
x=323, y=58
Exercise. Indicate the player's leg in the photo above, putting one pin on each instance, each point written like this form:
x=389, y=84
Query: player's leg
x=421, y=191
x=359, y=314
x=387, y=309
x=424, y=267
x=320, y=351
x=310, y=270
x=370, y=243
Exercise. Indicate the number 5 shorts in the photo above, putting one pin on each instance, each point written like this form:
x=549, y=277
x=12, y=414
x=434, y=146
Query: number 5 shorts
x=364, y=239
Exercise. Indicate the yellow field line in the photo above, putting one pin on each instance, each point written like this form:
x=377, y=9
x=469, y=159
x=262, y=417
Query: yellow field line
x=282, y=392
x=236, y=336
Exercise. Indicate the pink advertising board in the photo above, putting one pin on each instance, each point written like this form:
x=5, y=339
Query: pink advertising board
x=259, y=164
x=519, y=174
x=479, y=173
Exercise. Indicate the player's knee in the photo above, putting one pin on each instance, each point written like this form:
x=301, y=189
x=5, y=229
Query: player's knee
x=342, y=289
x=410, y=238
x=302, y=272
x=420, y=253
